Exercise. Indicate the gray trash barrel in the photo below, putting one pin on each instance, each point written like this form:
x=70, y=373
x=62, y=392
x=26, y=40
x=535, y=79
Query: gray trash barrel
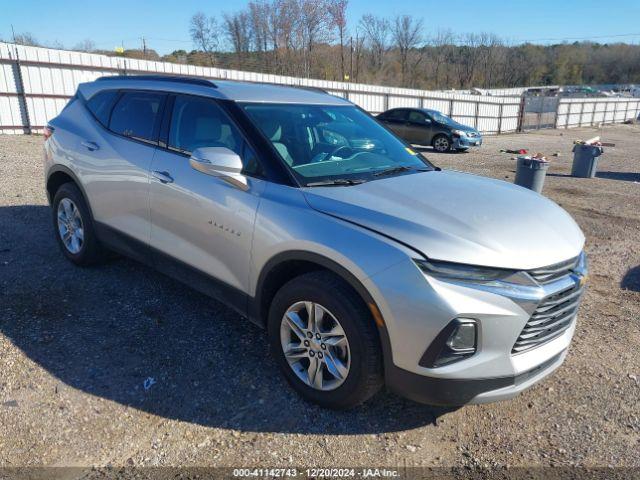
x=585, y=160
x=530, y=173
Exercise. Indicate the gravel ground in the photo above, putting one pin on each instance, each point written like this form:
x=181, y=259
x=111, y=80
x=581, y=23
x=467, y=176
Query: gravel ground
x=76, y=346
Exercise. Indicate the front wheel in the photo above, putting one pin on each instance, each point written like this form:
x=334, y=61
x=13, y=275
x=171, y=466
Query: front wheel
x=441, y=144
x=325, y=341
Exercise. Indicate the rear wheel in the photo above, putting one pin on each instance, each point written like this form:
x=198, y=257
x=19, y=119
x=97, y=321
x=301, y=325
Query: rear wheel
x=325, y=341
x=441, y=143
x=74, y=228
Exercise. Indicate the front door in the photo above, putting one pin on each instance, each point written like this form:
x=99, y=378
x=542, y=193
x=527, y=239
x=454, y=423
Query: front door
x=418, y=128
x=203, y=222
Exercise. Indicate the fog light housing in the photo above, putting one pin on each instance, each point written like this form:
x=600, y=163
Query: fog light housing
x=463, y=337
x=456, y=341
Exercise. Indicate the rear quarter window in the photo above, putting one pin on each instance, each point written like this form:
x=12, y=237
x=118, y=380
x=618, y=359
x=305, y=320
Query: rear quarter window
x=100, y=105
x=137, y=115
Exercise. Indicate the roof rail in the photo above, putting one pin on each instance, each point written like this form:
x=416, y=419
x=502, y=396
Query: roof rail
x=311, y=89
x=160, y=78
x=301, y=87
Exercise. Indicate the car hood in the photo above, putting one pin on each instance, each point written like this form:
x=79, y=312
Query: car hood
x=458, y=217
x=460, y=126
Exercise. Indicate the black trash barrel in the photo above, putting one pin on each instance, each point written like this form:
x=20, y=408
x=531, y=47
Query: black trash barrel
x=585, y=160
x=530, y=173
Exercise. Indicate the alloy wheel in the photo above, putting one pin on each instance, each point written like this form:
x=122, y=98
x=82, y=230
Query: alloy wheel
x=315, y=345
x=441, y=144
x=70, y=226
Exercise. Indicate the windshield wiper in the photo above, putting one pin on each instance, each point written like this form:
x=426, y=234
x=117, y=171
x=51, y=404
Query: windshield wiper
x=336, y=182
x=399, y=169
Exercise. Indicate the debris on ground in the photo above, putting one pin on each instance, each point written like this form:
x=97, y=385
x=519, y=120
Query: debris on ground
x=148, y=383
x=594, y=142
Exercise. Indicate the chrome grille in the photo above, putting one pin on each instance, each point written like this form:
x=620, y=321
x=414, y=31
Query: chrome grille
x=551, y=318
x=553, y=272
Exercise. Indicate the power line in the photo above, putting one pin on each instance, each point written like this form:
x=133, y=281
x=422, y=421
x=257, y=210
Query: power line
x=169, y=40
x=580, y=38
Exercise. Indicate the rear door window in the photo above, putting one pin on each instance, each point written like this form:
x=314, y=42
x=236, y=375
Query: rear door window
x=137, y=115
x=396, y=115
x=417, y=117
x=100, y=105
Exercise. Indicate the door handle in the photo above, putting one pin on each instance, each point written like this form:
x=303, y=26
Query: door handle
x=91, y=146
x=164, y=177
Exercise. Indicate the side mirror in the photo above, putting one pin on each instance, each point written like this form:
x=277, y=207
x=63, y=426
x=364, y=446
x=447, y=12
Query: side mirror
x=427, y=121
x=219, y=162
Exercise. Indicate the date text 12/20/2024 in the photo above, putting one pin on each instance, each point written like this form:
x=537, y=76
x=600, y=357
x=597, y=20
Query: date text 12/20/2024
x=316, y=473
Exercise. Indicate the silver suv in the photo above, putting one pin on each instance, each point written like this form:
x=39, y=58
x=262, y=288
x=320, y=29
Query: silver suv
x=367, y=265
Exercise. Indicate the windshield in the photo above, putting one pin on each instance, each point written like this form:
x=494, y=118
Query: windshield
x=440, y=118
x=323, y=143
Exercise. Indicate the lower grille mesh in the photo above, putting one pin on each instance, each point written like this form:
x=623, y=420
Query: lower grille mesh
x=552, y=317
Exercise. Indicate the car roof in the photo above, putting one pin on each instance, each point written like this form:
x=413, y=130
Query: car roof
x=417, y=109
x=223, y=89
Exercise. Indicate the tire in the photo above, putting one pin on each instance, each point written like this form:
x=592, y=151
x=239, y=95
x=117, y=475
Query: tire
x=340, y=302
x=86, y=250
x=441, y=143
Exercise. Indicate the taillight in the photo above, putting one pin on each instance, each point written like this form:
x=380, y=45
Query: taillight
x=48, y=131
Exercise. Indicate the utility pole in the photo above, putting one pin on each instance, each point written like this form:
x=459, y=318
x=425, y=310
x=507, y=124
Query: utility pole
x=144, y=48
x=351, y=59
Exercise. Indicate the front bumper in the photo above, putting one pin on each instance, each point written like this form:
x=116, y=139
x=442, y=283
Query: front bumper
x=416, y=308
x=457, y=392
x=466, y=142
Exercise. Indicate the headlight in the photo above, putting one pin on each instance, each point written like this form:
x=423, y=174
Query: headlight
x=459, y=271
x=460, y=133
x=581, y=266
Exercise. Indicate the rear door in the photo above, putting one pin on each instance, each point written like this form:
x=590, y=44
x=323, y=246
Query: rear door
x=418, y=128
x=202, y=221
x=116, y=151
x=396, y=120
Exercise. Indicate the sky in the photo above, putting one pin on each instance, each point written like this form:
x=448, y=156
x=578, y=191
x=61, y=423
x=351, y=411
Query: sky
x=165, y=23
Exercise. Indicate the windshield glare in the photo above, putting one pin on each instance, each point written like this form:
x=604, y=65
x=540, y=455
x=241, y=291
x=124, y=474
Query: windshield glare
x=323, y=142
x=439, y=117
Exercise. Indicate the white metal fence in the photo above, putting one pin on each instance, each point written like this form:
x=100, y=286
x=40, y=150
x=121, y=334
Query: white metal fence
x=586, y=112
x=35, y=84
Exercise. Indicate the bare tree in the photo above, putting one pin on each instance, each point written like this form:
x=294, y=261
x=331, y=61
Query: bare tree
x=313, y=23
x=236, y=27
x=407, y=36
x=338, y=13
x=27, y=39
x=376, y=31
x=286, y=30
x=87, y=45
x=468, y=59
x=204, y=33
x=442, y=43
x=259, y=13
